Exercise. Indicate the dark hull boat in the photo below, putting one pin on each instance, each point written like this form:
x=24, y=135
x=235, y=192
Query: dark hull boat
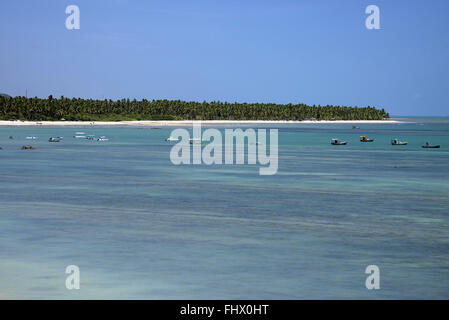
x=365, y=139
x=429, y=146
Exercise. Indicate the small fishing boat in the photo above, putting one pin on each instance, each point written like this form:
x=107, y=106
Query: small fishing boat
x=337, y=142
x=102, y=138
x=172, y=139
x=396, y=142
x=195, y=141
x=430, y=146
x=55, y=139
x=365, y=139
x=31, y=138
x=355, y=127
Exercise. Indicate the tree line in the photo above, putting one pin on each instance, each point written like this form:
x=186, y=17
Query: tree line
x=77, y=109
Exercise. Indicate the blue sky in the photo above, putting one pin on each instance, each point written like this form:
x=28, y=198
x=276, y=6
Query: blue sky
x=311, y=51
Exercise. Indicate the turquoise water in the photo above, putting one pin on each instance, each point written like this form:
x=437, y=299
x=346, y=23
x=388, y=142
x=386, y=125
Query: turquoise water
x=139, y=227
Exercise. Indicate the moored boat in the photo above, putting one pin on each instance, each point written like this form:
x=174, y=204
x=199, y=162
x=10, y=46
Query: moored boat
x=102, y=138
x=365, y=139
x=396, y=142
x=55, y=139
x=430, y=146
x=195, y=141
x=172, y=139
x=337, y=142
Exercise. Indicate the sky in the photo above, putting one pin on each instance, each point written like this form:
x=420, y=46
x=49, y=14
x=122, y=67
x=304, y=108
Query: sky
x=303, y=51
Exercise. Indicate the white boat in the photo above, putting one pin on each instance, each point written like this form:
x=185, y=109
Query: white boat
x=102, y=138
x=55, y=139
x=195, y=141
x=396, y=142
x=337, y=142
x=31, y=138
x=172, y=139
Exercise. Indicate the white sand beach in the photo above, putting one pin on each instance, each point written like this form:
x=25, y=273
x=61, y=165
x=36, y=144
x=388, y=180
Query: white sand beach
x=184, y=122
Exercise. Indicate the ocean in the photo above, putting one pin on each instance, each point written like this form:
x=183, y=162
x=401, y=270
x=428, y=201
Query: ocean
x=139, y=227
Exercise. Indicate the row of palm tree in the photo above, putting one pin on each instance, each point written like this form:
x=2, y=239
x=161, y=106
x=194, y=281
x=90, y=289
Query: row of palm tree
x=93, y=110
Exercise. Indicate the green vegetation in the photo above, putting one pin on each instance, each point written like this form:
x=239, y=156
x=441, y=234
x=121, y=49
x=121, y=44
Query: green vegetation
x=36, y=109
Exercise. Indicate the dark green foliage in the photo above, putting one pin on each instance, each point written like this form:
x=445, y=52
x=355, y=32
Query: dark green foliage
x=107, y=110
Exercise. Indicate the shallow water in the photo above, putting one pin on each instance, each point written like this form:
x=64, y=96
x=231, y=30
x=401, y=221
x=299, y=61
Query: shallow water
x=139, y=227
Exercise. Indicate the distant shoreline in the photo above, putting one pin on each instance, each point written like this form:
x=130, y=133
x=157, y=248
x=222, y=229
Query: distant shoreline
x=168, y=123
